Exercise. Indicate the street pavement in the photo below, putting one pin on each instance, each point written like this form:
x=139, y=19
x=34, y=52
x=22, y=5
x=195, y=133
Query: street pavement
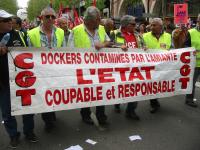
x=175, y=127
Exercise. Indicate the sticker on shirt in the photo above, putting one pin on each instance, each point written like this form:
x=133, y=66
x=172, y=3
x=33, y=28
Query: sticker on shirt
x=17, y=43
x=131, y=44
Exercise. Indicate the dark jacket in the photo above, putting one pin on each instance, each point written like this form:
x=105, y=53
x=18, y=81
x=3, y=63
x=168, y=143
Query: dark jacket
x=15, y=41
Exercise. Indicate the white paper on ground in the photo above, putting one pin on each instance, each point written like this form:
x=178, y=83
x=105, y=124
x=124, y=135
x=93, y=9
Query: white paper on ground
x=76, y=147
x=197, y=84
x=90, y=141
x=135, y=137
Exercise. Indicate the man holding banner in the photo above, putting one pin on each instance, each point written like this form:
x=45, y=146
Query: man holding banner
x=193, y=40
x=90, y=34
x=11, y=38
x=47, y=35
x=128, y=38
x=157, y=39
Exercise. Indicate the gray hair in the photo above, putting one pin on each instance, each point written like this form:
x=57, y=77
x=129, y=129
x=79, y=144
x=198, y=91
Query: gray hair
x=91, y=13
x=125, y=20
x=158, y=20
x=48, y=9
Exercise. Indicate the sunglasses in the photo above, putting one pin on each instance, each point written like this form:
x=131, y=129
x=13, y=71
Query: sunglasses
x=133, y=24
x=50, y=16
x=6, y=20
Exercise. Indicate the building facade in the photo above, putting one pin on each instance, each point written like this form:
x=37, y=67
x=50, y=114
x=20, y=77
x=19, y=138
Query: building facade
x=151, y=8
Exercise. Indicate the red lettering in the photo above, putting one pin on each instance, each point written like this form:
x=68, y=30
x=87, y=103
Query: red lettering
x=99, y=93
x=72, y=94
x=185, y=70
x=135, y=74
x=25, y=79
x=108, y=94
x=102, y=75
x=47, y=94
x=56, y=58
x=148, y=71
x=50, y=58
x=20, y=61
x=185, y=57
x=184, y=82
x=80, y=79
x=44, y=58
x=86, y=94
x=122, y=72
x=25, y=96
x=57, y=97
x=120, y=91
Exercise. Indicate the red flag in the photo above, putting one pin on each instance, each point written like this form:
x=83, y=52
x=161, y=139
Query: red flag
x=94, y=3
x=60, y=10
x=77, y=20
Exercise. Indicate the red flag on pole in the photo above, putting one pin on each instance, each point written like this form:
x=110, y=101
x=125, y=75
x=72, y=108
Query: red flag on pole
x=77, y=19
x=60, y=10
x=94, y=3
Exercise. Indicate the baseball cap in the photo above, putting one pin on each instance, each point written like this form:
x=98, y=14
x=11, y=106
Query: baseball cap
x=4, y=14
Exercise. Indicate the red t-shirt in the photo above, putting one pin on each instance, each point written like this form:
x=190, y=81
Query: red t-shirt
x=130, y=40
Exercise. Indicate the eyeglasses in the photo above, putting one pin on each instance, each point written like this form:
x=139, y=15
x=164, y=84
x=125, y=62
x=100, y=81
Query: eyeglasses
x=6, y=20
x=50, y=16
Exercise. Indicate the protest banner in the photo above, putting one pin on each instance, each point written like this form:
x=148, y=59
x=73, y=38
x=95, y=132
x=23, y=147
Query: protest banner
x=180, y=14
x=45, y=80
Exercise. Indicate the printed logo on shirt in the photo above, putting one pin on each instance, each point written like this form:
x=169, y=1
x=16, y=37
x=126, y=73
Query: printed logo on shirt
x=131, y=44
x=16, y=43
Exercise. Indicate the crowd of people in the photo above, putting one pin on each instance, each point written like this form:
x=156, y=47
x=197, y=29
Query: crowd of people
x=97, y=33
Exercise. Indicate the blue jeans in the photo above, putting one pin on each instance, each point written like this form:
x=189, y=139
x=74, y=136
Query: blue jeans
x=10, y=121
x=190, y=97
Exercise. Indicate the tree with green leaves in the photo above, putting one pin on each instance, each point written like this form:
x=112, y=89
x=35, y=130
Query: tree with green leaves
x=99, y=4
x=9, y=6
x=35, y=7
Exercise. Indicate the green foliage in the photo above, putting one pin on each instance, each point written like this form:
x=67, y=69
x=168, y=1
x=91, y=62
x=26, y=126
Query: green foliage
x=100, y=4
x=35, y=7
x=9, y=6
x=56, y=4
x=88, y=3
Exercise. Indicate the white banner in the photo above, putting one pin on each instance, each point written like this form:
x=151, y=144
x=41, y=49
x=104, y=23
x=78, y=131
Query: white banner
x=43, y=80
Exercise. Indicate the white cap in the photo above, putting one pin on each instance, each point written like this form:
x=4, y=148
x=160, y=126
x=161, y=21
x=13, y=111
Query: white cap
x=4, y=14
